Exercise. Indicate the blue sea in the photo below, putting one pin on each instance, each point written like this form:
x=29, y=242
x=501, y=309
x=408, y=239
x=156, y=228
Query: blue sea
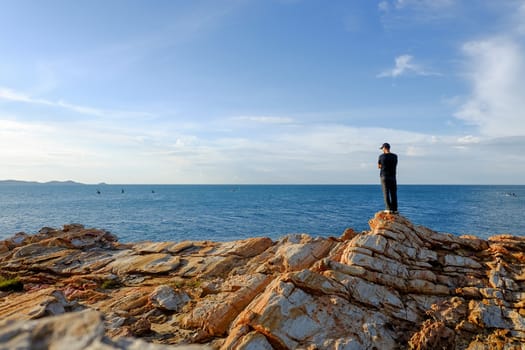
x=231, y=212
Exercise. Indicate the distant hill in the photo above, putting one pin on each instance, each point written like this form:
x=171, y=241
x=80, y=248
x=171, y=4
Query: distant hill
x=18, y=182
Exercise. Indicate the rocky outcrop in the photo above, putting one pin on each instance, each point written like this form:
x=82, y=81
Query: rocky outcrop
x=396, y=286
x=72, y=331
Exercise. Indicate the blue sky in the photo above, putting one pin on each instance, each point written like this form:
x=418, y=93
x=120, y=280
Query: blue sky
x=262, y=91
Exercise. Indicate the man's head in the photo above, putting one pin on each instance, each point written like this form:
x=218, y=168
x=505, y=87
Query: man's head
x=385, y=147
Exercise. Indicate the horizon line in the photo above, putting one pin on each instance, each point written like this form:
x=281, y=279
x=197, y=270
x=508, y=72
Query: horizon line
x=73, y=182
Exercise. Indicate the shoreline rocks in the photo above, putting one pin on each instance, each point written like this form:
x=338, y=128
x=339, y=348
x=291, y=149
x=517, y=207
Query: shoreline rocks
x=397, y=286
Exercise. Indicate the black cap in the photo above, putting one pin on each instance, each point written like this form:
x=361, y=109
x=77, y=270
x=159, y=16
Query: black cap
x=385, y=145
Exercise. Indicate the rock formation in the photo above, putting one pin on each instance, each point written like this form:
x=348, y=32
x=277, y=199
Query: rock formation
x=397, y=286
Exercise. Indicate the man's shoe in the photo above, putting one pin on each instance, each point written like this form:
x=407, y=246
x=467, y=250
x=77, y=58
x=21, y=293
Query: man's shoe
x=395, y=212
x=387, y=211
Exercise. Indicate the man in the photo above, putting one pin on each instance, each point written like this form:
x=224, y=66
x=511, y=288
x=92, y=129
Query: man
x=387, y=163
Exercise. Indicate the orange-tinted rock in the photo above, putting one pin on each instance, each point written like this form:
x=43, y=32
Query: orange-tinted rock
x=395, y=286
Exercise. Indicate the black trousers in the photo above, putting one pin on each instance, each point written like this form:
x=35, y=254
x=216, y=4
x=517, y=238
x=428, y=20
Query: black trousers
x=389, y=185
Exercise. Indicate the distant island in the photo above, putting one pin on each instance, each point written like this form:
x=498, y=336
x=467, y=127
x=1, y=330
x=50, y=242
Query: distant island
x=19, y=182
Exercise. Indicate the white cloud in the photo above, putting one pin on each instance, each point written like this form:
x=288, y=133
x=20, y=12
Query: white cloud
x=395, y=13
x=469, y=139
x=496, y=71
x=414, y=151
x=85, y=151
x=429, y=4
x=17, y=96
x=383, y=6
x=519, y=19
x=30, y=145
x=265, y=119
x=319, y=153
x=405, y=64
x=10, y=127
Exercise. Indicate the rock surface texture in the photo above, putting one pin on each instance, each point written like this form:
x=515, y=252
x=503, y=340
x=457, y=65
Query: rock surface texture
x=397, y=286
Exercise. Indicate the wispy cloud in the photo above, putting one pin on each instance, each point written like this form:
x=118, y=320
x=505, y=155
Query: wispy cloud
x=310, y=153
x=495, y=69
x=421, y=5
x=265, y=119
x=44, y=148
x=469, y=139
x=82, y=150
x=15, y=96
x=432, y=4
x=405, y=64
x=519, y=19
x=384, y=6
x=396, y=13
x=342, y=154
x=8, y=94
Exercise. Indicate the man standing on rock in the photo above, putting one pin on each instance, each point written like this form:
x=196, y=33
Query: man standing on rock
x=387, y=163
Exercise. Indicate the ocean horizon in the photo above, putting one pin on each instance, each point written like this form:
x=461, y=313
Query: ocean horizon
x=223, y=212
